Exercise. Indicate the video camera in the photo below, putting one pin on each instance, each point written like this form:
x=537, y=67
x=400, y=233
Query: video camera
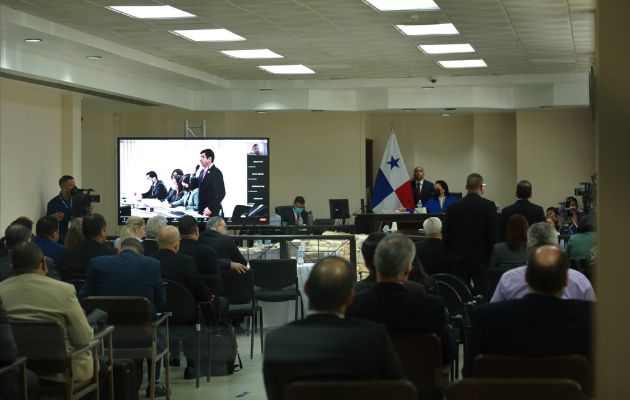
x=84, y=198
x=588, y=192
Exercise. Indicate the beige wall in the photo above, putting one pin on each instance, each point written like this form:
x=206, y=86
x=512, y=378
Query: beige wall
x=30, y=150
x=555, y=151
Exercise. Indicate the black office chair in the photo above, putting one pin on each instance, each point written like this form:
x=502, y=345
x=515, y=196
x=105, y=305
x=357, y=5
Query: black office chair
x=18, y=364
x=239, y=291
x=514, y=389
x=186, y=317
x=351, y=390
x=276, y=281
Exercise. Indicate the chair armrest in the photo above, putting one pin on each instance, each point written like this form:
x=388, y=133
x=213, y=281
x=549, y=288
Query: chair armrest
x=18, y=361
x=103, y=332
x=161, y=319
x=90, y=346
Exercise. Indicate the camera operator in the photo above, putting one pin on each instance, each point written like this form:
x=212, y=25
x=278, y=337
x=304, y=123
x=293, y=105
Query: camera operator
x=65, y=206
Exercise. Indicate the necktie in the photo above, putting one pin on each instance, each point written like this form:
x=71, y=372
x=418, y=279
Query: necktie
x=418, y=190
x=203, y=175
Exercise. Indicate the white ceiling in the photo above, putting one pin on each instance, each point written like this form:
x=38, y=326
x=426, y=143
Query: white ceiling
x=347, y=43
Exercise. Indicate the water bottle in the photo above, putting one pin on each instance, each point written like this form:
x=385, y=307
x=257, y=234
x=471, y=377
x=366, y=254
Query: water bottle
x=386, y=229
x=419, y=204
x=300, y=254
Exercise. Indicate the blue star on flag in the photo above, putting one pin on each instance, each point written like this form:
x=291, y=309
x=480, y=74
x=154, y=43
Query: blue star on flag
x=393, y=162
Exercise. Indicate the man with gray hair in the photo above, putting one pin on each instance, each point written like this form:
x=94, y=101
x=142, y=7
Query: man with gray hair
x=513, y=285
x=431, y=251
x=390, y=303
x=152, y=229
x=216, y=236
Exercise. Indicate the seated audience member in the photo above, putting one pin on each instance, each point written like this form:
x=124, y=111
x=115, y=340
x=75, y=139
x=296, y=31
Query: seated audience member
x=47, y=236
x=32, y=296
x=177, y=190
x=532, y=212
x=297, y=215
x=74, y=236
x=368, y=248
x=391, y=304
x=441, y=200
x=152, y=230
x=133, y=228
x=215, y=236
x=513, y=285
x=326, y=345
x=539, y=324
x=190, y=195
x=582, y=242
x=513, y=251
x=129, y=273
x=205, y=256
x=431, y=251
x=74, y=260
x=10, y=381
x=15, y=234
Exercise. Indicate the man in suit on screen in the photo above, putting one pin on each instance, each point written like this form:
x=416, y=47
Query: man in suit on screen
x=211, y=185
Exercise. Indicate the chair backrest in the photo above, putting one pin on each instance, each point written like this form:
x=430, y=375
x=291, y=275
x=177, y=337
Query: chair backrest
x=213, y=281
x=456, y=283
x=131, y=315
x=181, y=303
x=421, y=359
x=274, y=274
x=282, y=209
x=238, y=288
x=454, y=302
x=77, y=283
x=351, y=390
x=514, y=389
x=574, y=367
x=43, y=343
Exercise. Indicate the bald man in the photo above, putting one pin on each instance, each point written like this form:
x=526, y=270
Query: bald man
x=539, y=324
x=326, y=345
x=422, y=189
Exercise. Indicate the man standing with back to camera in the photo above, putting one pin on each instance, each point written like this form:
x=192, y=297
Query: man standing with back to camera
x=211, y=186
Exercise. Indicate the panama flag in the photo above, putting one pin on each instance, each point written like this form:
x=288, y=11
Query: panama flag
x=392, y=189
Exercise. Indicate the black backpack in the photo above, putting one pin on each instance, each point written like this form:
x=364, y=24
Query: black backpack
x=224, y=350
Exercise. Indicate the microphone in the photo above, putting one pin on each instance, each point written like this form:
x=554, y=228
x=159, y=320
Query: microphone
x=196, y=169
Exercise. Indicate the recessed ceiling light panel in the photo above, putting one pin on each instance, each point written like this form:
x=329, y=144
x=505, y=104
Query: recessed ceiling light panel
x=287, y=69
x=251, y=54
x=446, y=48
x=32, y=40
x=209, y=35
x=403, y=5
x=463, y=64
x=426, y=30
x=151, y=12
x=94, y=57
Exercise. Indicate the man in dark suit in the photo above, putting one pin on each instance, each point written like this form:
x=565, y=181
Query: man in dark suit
x=205, y=256
x=295, y=215
x=532, y=212
x=215, y=236
x=157, y=189
x=422, y=189
x=326, y=345
x=210, y=184
x=129, y=274
x=470, y=233
x=74, y=260
x=539, y=324
x=431, y=251
x=15, y=234
x=390, y=303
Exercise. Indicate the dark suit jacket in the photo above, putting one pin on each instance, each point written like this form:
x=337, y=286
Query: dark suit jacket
x=7, y=272
x=471, y=230
x=428, y=191
x=182, y=268
x=205, y=256
x=287, y=215
x=150, y=247
x=536, y=325
x=157, y=191
x=211, y=191
x=432, y=254
x=74, y=260
x=324, y=346
x=223, y=245
x=532, y=212
x=125, y=274
x=404, y=313
x=8, y=353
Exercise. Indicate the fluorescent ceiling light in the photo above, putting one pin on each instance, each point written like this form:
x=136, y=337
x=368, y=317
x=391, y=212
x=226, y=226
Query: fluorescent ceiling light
x=402, y=5
x=151, y=12
x=209, y=35
x=463, y=64
x=446, y=48
x=425, y=30
x=32, y=40
x=94, y=57
x=287, y=69
x=249, y=54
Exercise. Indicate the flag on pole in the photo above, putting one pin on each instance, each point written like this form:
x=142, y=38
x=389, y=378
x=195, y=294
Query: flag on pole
x=392, y=189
